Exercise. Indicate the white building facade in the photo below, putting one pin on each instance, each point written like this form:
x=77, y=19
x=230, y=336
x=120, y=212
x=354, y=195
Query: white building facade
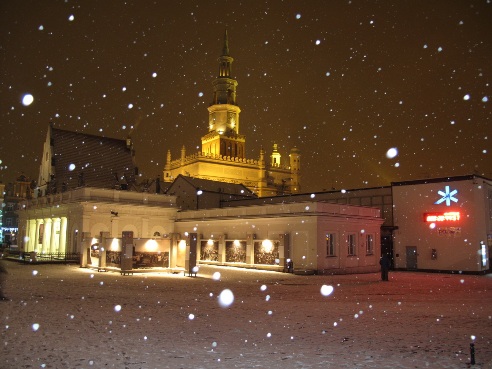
x=90, y=222
x=315, y=236
x=113, y=229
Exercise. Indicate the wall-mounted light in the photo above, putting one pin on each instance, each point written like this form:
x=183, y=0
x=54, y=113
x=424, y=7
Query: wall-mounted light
x=151, y=245
x=267, y=246
x=115, y=245
x=115, y=213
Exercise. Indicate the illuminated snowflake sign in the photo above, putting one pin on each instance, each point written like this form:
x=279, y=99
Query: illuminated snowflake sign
x=447, y=196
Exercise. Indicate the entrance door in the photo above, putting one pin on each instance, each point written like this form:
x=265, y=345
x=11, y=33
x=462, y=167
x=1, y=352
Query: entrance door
x=411, y=257
x=299, y=250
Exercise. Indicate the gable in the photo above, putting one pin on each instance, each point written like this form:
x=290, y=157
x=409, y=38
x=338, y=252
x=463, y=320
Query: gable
x=78, y=159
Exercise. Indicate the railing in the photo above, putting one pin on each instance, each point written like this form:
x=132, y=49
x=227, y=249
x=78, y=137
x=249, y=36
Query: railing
x=56, y=256
x=50, y=257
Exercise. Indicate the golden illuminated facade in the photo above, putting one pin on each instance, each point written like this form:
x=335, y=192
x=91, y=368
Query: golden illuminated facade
x=223, y=151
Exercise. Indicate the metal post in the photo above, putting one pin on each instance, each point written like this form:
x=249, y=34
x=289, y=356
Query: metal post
x=472, y=353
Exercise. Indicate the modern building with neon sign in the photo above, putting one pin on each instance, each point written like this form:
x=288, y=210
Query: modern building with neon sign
x=443, y=224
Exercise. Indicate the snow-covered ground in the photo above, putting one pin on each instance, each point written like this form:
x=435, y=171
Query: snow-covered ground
x=68, y=317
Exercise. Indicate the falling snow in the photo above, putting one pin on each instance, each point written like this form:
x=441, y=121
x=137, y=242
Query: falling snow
x=27, y=99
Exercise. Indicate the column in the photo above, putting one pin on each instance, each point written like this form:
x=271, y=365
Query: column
x=190, y=257
x=250, y=252
x=55, y=226
x=25, y=240
x=173, y=249
x=47, y=235
x=84, y=248
x=283, y=248
x=63, y=235
x=32, y=235
x=103, y=246
x=36, y=236
x=222, y=249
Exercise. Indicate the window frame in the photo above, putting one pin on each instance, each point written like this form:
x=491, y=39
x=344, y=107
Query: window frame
x=330, y=244
x=370, y=244
x=351, y=246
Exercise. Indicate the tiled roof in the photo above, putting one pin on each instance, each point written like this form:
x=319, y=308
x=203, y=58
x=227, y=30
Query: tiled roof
x=94, y=161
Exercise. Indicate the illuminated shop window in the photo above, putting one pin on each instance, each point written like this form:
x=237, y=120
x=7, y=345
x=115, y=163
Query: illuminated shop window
x=330, y=244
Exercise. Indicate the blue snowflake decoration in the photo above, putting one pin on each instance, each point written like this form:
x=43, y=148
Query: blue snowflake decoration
x=447, y=196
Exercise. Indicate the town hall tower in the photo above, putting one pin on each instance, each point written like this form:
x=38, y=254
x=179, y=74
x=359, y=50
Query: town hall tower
x=223, y=151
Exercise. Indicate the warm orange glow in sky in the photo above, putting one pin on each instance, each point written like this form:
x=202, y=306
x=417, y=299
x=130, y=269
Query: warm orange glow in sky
x=345, y=82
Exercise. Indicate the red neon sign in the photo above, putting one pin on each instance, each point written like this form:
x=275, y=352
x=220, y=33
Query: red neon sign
x=449, y=216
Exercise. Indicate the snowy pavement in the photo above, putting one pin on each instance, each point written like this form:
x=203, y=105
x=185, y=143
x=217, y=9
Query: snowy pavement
x=69, y=317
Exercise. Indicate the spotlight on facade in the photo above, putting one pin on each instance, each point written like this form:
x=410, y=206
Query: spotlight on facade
x=151, y=245
x=115, y=245
x=267, y=246
x=115, y=213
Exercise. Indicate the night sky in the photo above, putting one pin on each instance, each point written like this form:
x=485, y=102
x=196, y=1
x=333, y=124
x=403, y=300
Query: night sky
x=343, y=81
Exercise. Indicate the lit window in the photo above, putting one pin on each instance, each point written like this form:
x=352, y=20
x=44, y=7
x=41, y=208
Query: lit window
x=330, y=244
x=483, y=251
x=369, y=244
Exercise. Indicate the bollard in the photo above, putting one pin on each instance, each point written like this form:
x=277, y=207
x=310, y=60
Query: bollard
x=472, y=353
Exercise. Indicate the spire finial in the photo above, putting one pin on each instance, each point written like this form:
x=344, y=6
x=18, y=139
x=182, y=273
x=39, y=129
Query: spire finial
x=225, y=49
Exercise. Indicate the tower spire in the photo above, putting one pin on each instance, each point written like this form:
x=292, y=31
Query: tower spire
x=225, y=59
x=225, y=49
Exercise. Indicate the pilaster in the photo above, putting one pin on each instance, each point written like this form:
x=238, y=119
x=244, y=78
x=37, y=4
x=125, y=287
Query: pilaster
x=63, y=235
x=47, y=235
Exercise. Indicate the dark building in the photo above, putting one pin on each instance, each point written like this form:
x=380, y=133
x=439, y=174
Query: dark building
x=196, y=193
x=73, y=159
x=15, y=192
